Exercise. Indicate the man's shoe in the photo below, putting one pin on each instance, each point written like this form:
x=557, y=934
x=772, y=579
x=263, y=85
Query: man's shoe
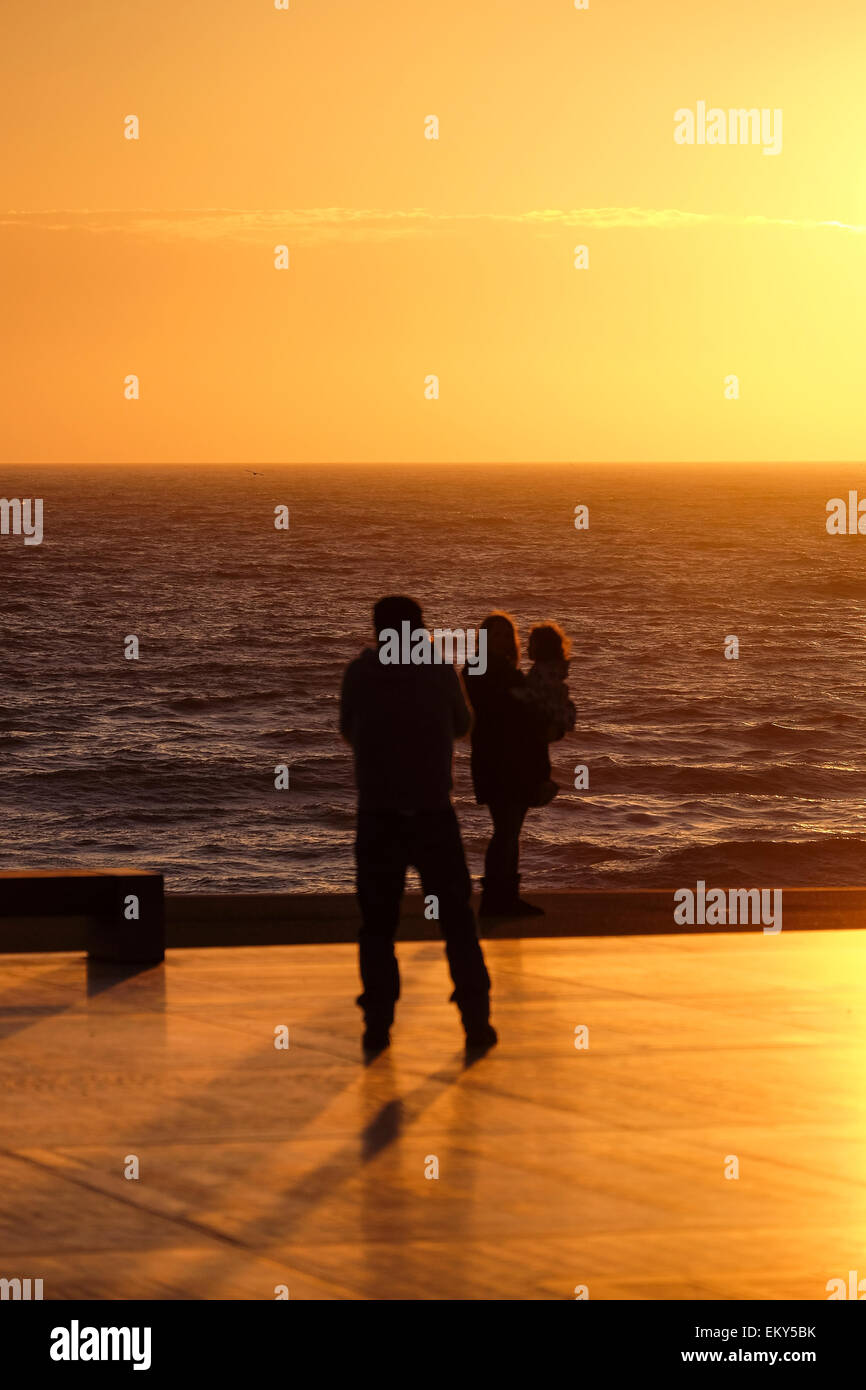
x=374, y=1041
x=481, y=1038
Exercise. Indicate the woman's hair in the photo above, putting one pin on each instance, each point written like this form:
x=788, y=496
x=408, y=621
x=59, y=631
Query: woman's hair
x=548, y=642
x=502, y=638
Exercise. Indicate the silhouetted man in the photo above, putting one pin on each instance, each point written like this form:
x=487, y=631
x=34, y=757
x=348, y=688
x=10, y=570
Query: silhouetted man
x=401, y=719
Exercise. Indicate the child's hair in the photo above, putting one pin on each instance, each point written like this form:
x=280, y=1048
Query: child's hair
x=548, y=642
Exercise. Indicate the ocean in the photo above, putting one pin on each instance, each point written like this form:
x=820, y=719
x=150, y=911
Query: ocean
x=746, y=772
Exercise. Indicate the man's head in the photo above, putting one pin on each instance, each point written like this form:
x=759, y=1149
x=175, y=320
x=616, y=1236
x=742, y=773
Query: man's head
x=390, y=612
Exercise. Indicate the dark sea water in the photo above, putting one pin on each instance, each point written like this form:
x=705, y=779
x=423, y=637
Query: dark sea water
x=747, y=772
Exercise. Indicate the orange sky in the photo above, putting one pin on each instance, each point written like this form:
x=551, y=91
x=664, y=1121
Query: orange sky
x=410, y=256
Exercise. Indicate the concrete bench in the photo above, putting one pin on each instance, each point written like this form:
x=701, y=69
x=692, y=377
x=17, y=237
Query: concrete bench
x=105, y=897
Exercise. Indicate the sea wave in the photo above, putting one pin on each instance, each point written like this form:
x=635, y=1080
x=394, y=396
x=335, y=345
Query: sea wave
x=698, y=765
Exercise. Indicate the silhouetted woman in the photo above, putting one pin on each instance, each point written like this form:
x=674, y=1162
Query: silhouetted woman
x=510, y=763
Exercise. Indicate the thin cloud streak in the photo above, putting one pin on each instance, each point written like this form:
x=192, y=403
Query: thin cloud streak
x=319, y=226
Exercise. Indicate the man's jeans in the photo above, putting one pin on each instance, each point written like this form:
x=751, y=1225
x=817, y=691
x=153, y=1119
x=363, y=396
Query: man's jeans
x=387, y=843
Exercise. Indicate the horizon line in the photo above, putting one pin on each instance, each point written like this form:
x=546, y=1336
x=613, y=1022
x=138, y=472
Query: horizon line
x=321, y=225
x=438, y=463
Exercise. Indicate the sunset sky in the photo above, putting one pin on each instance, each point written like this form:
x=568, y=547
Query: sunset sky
x=412, y=256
